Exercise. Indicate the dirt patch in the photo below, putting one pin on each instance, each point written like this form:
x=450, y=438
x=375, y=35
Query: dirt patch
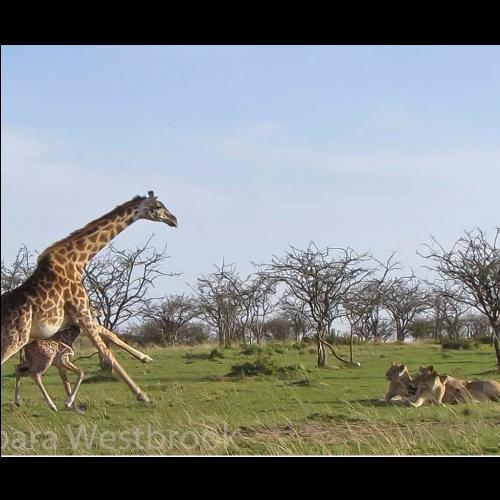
x=363, y=433
x=323, y=432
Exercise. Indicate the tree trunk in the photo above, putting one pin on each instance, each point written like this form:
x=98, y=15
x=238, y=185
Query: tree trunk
x=496, y=343
x=398, y=333
x=321, y=354
x=350, y=345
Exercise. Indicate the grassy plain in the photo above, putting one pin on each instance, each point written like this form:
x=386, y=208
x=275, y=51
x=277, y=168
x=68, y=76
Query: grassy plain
x=198, y=409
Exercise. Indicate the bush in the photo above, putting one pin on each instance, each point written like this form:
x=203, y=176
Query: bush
x=264, y=366
x=269, y=349
x=483, y=339
x=216, y=353
x=213, y=355
x=289, y=370
x=458, y=344
x=343, y=340
x=277, y=348
x=260, y=366
x=252, y=349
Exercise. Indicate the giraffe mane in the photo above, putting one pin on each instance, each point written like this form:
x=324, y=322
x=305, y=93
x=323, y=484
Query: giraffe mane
x=88, y=228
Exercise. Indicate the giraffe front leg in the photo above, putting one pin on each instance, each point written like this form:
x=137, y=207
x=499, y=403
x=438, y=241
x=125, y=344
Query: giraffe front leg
x=91, y=328
x=37, y=377
x=112, y=337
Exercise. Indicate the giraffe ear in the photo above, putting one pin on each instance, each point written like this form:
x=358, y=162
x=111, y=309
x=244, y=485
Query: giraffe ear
x=151, y=194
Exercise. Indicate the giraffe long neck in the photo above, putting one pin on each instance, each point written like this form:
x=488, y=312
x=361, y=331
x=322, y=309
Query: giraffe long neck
x=75, y=251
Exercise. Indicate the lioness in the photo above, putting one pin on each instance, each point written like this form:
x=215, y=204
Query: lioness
x=458, y=391
x=484, y=390
x=400, y=382
x=431, y=388
x=454, y=388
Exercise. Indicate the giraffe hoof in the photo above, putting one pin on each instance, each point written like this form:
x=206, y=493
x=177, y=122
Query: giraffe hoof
x=147, y=359
x=53, y=407
x=143, y=397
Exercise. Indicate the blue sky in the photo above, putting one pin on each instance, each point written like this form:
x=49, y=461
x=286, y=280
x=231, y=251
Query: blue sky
x=253, y=148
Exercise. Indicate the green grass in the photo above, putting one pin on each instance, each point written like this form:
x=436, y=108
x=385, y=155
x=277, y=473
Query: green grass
x=199, y=409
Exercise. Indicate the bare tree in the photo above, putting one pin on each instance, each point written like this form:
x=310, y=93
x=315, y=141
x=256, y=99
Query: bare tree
x=18, y=271
x=404, y=299
x=119, y=283
x=454, y=312
x=262, y=303
x=476, y=326
x=218, y=301
x=279, y=328
x=364, y=302
x=321, y=279
x=471, y=271
x=437, y=311
x=171, y=315
x=296, y=311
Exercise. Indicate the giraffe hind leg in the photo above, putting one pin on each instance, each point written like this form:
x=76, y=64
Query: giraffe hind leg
x=112, y=337
x=21, y=369
x=65, y=364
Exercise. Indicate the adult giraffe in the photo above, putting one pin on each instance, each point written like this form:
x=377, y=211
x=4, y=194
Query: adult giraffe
x=53, y=297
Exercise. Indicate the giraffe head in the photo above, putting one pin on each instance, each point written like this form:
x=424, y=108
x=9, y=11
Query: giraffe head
x=151, y=208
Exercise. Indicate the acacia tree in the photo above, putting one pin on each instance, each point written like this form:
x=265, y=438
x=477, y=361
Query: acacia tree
x=18, y=271
x=445, y=311
x=471, y=272
x=404, y=299
x=476, y=325
x=170, y=315
x=296, y=311
x=119, y=282
x=320, y=279
x=262, y=303
x=364, y=301
x=453, y=316
x=437, y=312
x=218, y=303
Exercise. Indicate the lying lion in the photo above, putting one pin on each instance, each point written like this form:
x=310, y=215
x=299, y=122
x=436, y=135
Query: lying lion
x=459, y=391
x=400, y=384
x=483, y=390
x=430, y=389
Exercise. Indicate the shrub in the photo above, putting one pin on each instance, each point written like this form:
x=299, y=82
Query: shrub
x=216, y=353
x=213, y=355
x=291, y=369
x=483, y=339
x=264, y=366
x=299, y=346
x=252, y=349
x=458, y=344
x=260, y=366
x=277, y=348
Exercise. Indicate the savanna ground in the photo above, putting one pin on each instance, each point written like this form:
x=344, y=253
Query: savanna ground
x=198, y=409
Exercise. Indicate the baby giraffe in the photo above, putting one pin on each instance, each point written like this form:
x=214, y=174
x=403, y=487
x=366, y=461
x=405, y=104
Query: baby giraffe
x=41, y=354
